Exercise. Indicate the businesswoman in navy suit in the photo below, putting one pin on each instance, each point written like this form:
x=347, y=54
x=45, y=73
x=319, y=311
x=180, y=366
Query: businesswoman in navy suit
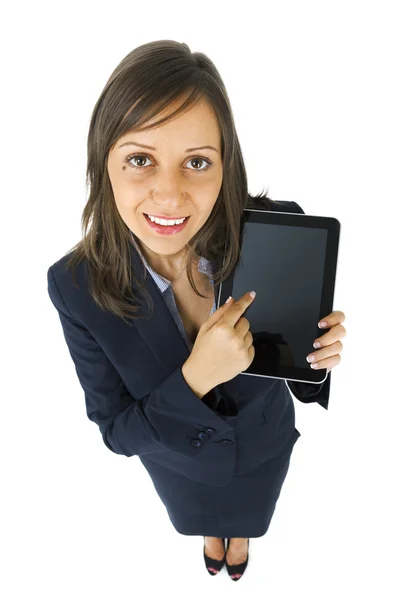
x=159, y=364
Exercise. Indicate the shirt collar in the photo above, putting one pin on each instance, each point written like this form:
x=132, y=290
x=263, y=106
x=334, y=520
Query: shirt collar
x=204, y=266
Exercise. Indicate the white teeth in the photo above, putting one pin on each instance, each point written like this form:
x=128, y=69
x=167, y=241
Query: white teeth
x=165, y=221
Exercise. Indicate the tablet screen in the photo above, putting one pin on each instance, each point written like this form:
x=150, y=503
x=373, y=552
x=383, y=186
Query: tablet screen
x=284, y=258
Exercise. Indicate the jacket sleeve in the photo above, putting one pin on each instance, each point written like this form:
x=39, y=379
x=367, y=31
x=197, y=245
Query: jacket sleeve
x=168, y=418
x=310, y=392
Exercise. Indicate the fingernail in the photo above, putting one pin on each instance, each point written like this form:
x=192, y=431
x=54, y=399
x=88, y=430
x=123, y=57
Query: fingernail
x=317, y=345
x=228, y=299
x=322, y=324
x=252, y=294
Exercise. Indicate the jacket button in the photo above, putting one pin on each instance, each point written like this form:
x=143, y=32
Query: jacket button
x=210, y=430
x=202, y=436
x=226, y=442
x=196, y=443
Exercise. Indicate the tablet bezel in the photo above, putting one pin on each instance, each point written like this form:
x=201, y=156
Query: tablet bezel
x=332, y=226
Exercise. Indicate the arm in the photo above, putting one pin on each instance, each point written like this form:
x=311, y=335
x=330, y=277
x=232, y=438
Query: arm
x=167, y=418
x=311, y=392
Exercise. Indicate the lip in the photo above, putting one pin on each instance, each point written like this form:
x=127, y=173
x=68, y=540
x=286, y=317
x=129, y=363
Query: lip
x=166, y=229
x=168, y=217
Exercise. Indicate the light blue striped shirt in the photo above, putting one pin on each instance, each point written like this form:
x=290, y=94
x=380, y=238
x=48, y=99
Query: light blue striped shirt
x=165, y=287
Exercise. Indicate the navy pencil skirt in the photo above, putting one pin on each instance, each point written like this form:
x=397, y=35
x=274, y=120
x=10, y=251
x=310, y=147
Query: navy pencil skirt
x=243, y=508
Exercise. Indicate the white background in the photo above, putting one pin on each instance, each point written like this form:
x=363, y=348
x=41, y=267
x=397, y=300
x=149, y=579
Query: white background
x=314, y=88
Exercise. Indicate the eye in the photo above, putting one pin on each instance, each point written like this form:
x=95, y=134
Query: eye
x=142, y=168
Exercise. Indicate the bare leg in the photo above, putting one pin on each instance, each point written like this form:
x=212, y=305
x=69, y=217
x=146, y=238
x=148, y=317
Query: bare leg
x=237, y=551
x=214, y=547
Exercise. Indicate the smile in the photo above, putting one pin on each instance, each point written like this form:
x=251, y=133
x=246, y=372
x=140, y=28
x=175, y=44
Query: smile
x=166, y=229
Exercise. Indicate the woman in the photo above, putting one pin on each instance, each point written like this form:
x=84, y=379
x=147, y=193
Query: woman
x=160, y=383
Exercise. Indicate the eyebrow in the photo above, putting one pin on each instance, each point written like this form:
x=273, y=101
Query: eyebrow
x=132, y=143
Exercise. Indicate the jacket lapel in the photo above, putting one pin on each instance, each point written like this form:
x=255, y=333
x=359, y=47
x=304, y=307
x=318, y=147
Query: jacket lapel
x=159, y=330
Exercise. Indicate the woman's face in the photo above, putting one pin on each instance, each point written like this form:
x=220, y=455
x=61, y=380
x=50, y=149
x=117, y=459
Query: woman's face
x=175, y=180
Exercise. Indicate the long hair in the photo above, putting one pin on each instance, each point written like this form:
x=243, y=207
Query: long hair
x=146, y=82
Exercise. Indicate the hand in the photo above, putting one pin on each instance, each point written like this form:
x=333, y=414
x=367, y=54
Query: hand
x=331, y=346
x=223, y=347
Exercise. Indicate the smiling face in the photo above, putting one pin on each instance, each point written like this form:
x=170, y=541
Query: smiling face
x=175, y=179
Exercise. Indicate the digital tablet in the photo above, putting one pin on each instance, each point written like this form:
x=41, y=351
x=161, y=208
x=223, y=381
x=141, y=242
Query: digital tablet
x=290, y=260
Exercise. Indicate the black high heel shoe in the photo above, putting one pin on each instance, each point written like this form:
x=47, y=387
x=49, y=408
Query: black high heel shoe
x=236, y=571
x=211, y=563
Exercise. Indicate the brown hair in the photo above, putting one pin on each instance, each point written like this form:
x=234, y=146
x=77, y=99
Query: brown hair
x=146, y=81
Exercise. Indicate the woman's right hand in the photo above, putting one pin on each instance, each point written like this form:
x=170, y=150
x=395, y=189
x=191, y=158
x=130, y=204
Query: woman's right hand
x=224, y=345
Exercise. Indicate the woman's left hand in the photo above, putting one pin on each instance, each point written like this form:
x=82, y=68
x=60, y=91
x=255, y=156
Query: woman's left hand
x=331, y=346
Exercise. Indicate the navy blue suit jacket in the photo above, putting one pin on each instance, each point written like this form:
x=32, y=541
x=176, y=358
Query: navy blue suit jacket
x=135, y=391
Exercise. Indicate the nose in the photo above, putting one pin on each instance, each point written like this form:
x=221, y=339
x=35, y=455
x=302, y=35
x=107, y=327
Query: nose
x=168, y=195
